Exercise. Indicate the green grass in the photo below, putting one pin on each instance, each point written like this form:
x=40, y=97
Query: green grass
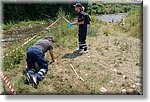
x=12, y=25
x=134, y=22
x=94, y=27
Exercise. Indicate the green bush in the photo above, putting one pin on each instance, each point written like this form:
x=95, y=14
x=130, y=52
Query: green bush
x=134, y=22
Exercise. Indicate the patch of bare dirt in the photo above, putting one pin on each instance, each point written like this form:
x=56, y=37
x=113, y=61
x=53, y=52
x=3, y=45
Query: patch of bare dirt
x=112, y=66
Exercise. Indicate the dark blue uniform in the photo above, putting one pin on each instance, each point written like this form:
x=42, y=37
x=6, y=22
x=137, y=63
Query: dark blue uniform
x=82, y=31
x=35, y=54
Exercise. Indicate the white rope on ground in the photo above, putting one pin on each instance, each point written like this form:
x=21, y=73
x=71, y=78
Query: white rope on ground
x=30, y=39
x=21, y=45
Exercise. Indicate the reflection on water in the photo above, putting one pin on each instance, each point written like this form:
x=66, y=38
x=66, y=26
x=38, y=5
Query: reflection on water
x=112, y=17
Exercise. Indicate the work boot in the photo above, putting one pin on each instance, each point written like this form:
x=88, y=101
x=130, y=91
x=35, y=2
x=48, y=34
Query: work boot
x=29, y=73
x=84, y=52
x=78, y=50
x=32, y=79
x=28, y=78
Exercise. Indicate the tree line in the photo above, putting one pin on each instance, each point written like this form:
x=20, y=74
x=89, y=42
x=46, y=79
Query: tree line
x=16, y=12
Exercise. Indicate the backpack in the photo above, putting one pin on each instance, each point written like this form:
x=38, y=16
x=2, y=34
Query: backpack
x=87, y=19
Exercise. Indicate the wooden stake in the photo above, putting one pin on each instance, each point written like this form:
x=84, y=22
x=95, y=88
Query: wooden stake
x=53, y=23
x=66, y=20
x=80, y=78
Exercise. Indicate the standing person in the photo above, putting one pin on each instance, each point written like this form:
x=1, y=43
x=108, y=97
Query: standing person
x=35, y=54
x=82, y=23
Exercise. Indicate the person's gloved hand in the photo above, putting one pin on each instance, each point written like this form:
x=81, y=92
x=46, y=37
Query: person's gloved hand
x=70, y=25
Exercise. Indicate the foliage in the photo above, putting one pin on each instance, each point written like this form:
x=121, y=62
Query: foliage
x=108, y=8
x=134, y=22
x=16, y=12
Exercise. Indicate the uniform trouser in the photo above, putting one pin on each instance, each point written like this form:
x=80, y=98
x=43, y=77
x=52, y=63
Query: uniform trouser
x=35, y=55
x=82, y=37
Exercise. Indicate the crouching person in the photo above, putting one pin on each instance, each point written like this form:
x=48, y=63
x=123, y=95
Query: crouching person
x=35, y=54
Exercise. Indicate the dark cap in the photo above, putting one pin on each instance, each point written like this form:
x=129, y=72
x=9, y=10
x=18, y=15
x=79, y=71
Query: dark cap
x=77, y=5
x=49, y=38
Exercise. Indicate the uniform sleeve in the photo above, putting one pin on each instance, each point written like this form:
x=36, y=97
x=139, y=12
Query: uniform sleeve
x=51, y=47
x=82, y=17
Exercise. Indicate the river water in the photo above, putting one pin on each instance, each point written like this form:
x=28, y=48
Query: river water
x=112, y=17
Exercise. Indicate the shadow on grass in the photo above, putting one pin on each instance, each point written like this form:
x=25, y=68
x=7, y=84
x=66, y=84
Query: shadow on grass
x=72, y=55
